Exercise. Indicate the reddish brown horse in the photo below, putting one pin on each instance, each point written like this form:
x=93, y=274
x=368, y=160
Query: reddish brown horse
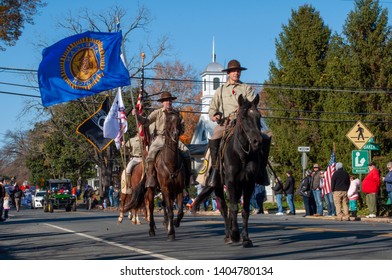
x=127, y=189
x=170, y=171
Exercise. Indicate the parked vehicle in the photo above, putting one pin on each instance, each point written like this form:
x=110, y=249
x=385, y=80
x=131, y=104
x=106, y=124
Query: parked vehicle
x=59, y=195
x=37, y=201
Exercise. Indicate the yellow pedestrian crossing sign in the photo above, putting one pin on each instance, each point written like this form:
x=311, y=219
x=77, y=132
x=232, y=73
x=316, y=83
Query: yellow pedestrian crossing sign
x=359, y=135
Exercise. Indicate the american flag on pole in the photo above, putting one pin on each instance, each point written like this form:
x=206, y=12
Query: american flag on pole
x=328, y=174
x=139, y=109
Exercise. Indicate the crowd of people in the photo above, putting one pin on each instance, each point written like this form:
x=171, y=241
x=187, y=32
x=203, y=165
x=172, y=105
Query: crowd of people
x=340, y=195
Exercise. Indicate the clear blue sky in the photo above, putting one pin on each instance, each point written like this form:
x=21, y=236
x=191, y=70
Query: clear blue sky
x=243, y=30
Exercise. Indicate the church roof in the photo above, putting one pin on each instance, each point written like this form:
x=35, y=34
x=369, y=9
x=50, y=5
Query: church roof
x=214, y=67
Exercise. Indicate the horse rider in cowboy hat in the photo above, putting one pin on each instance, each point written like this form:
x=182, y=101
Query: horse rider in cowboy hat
x=157, y=121
x=224, y=106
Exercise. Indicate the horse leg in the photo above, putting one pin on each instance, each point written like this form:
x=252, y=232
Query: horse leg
x=165, y=217
x=246, y=242
x=170, y=226
x=150, y=198
x=130, y=215
x=180, y=211
x=121, y=217
x=219, y=193
x=233, y=213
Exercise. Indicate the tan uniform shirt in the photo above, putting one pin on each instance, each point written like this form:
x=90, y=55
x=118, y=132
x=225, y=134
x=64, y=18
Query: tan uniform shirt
x=156, y=122
x=133, y=147
x=225, y=99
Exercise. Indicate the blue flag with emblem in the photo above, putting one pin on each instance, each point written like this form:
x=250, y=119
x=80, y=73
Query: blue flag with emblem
x=81, y=65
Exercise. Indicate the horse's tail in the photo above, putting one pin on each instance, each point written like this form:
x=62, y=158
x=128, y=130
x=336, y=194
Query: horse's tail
x=137, y=198
x=205, y=193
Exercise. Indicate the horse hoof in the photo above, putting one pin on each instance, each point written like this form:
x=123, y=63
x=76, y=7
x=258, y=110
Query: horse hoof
x=119, y=221
x=228, y=240
x=247, y=244
x=171, y=237
x=151, y=233
x=235, y=238
x=176, y=223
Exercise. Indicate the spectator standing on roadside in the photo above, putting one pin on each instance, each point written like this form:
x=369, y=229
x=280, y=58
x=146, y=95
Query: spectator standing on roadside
x=278, y=190
x=328, y=196
x=388, y=181
x=352, y=195
x=18, y=194
x=371, y=187
x=289, y=191
x=6, y=206
x=316, y=190
x=305, y=190
x=261, y=196
x=340, y=183
x=111, y=195
x=2, y=195
x=116, y=196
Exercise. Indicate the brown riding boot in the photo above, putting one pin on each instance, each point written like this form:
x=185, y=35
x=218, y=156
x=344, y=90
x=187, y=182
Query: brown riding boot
x=213, y=178
x=128, y=178
x=151, y=181
x=189, y=172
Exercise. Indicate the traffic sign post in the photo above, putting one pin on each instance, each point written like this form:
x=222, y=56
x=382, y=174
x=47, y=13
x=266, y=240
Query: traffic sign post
x=359, y=135
x=304, y=159
x=360, y=161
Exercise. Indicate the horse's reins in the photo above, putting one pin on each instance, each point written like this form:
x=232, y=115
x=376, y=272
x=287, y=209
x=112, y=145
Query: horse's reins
x=247, y=136
x=175, y=173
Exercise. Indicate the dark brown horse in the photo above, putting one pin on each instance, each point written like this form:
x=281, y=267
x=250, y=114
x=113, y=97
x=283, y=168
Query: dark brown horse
x=170, y=173
x=242, y=160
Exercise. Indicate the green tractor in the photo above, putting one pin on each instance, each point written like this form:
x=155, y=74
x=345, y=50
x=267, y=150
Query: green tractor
x=59, y=195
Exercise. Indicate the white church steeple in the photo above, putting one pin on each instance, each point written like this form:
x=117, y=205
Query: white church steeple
x=212, y=78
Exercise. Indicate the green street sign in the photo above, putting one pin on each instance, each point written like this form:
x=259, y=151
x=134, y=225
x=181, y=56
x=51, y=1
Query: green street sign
x=360, y=171
x=371, y=146
x=360, y=160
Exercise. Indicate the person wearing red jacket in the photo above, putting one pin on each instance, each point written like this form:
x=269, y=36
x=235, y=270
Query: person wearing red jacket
x=371, y=187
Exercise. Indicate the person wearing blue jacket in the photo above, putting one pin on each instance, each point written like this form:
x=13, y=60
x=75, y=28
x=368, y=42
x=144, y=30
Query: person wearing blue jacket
x=388, y=181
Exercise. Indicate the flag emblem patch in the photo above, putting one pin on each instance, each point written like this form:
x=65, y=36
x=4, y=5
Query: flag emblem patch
x=82, y=63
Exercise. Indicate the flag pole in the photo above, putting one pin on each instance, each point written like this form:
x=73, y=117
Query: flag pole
x=141, y=91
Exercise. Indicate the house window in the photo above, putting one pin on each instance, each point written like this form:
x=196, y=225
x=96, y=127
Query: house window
x=205, y=85
x=216, y=83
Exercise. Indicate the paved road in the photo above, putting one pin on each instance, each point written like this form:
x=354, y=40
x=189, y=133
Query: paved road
x=95, y=235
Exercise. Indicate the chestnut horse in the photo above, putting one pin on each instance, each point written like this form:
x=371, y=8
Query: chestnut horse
x=127, y=188
x=243, y=156
x=170, y=173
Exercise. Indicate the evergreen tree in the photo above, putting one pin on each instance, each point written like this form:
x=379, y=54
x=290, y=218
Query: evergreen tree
x=361, y=60
x=301, y=57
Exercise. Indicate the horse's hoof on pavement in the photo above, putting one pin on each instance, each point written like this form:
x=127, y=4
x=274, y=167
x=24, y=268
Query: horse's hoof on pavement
x=228, y=240
x=247, y=244
x=151, y=233
x=176, y=223
x=171, y=237
x=235, y=238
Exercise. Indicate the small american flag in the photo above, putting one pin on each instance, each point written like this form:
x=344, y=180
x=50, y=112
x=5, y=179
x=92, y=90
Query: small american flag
x=328, y=174
x=139, y=109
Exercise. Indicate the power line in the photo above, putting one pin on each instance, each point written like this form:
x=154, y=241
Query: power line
x=264, y=85
x=18, y=85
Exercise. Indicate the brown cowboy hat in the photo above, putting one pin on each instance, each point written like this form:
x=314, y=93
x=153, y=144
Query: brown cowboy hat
x=232, y=65
x=166, y=96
